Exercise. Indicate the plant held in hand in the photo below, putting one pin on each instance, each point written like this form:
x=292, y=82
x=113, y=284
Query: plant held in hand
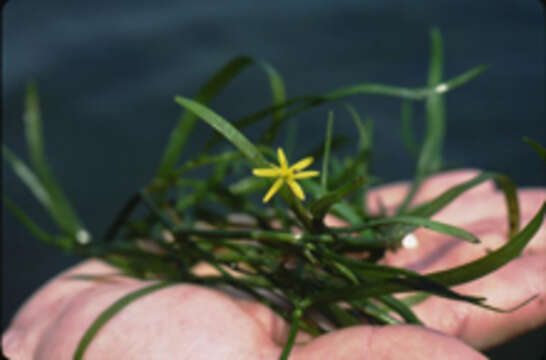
x=283, y=253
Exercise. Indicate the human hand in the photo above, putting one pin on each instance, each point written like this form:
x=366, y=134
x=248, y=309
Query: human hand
x=192, y=322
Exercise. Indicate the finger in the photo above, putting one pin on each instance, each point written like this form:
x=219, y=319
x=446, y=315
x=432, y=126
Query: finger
x=38, y=313
x=473, y=208
x=487, y=220
x=390, y=342
x=519, y=280
x=190, y=321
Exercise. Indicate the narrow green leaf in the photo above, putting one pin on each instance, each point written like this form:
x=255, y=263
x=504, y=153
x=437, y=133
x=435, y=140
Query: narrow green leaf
x=337, y=142
x=346, y=272
x=401, y=309
x=540, y=150
x=326, y=157
x=415, y=221
x=433, y=206
x=206, y=160
x=510, y=192
x=28, y=223
x=361, y=164
x=415, y=299
x=208, y=92
x=340, y=316
x=356, y=167
x=248, y=185
x=430, y=159
x=225, y=128
x=109, y=313
x=294, y=328
x=408, y=136
x=41, y=194
x=430, y=156
x=320, y=206
x=493, y=260
x=308, y=102
x=389, y=285
x=446, y=278
x=345, y=212
x=375, y=312
x=436, y=58
x=34, y=137
x=364, y=136
x=28, y=178
x=33, y=131
x=401, y=92
x=279, y=96
x=506, y=186
x=204, y=189
x=340, y=209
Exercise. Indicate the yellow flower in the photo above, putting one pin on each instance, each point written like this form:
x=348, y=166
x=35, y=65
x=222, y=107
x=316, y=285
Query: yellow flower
x=287, y=175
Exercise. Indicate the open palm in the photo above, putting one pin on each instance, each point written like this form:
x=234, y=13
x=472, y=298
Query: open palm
x=191, y=322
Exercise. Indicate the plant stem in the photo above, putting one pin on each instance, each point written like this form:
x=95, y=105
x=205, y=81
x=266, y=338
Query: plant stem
x=294, y=327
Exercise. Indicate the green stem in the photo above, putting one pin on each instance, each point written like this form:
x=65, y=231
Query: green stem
x=122, y=217
x=105, y=316
x=294, y=327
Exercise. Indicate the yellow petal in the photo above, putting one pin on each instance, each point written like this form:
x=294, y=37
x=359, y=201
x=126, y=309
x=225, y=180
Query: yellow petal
x=296, y=189
x=273, y=190
x=302, y=164
x=305, y=174
x=282, y=159
x=267, y=172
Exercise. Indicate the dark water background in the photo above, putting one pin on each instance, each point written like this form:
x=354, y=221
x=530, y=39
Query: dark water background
x=107, y=73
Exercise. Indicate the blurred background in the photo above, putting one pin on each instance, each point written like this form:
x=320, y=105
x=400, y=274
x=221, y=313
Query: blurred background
x=107, y=73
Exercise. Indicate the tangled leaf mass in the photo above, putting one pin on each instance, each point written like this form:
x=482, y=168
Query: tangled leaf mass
x=281, y=253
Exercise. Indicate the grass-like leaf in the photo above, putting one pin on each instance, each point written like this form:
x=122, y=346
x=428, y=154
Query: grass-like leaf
x=401, y=309
x=361, y=164
x=364, y=130
x=507, y=187
x=110, y=312
x=540, y=150
x=355, y=167
x=377, y=313
x=408, y=136
x=66, y=216
x=308, y=102
x=415, y=299
x=208, y=92
x=493, y=260
x=294, y=327
x=341, y=209
x=430, y=155
x=337, y=142
x=393, y=280
x=327, y=145
x=321, y=206
x=401, y=92
x=27, y=176
x=415, y=221
x=31, y=225
x=451, y=277
x=225, y=128
x=33, y=183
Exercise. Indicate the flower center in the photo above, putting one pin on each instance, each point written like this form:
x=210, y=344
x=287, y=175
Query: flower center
x=287, y=174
